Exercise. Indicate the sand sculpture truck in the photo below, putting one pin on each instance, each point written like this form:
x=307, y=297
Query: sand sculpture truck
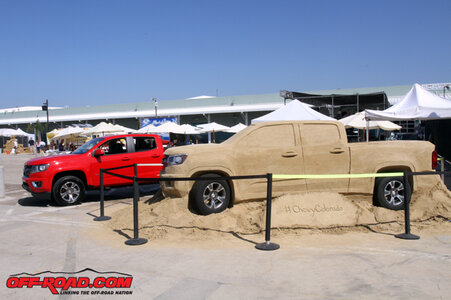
x=292, y=147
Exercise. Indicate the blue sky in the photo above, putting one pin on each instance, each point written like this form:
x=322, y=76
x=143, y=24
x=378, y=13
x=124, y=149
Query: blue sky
x=78, y=53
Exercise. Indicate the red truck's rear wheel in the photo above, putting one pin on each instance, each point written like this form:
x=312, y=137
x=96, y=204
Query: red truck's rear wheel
x=68, y=190
x=211, y=196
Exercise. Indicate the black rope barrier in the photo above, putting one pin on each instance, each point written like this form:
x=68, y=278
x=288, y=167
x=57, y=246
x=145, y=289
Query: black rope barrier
x=102, y=216
x=407, y=235
x=136, y=240
x=267, y=245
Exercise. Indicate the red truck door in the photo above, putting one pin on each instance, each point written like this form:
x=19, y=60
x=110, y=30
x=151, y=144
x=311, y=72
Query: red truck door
x=147, y=152
x=326, y=151
x=116, y=155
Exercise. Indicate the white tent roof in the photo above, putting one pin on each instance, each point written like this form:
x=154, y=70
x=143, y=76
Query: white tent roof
x=358, y=121
x=146, y=129
x=68, y=132
x=14, y=132
x=167, y=127
x=295, y=110
x=102, y=128
x=237, y=128
x=188, y=129
x=213, y=126
x=418, y=104
x=123, y=129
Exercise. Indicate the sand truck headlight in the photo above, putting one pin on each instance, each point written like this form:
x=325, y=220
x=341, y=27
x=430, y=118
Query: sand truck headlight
x=39, y=168
x=176, y=159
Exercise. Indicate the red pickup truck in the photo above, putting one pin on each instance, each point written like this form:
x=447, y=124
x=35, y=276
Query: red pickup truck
x=65, y=178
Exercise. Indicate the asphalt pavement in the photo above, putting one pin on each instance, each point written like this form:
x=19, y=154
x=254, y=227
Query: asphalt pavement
x=41, y=239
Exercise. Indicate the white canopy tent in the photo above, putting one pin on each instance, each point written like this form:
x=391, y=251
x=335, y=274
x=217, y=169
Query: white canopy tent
x=358, y=121
x=237, y=128
x=8, y=132
x=68, y=132
x=212, y=127
x=123, y=129
x=103, y=128
x=189, y=129
x=295, y=110
x=418, y=104
x=167, y=127
x=146, y=129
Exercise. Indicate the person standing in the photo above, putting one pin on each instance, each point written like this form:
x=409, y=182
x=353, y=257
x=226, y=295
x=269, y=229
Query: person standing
x=42, y=146
x=15, y=146
x=31, y=145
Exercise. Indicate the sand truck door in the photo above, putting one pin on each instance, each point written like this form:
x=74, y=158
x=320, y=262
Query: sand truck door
x=325, y=151
x=272, y=149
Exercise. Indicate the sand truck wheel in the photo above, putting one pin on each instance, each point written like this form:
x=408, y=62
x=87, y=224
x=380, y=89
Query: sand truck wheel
x=391, y=192
x=211, y=196
x=68, y=190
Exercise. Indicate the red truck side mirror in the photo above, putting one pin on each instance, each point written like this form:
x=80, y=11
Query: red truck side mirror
x=99, y=152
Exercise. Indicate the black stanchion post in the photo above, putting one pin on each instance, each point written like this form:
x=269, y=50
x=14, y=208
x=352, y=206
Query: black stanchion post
x=267, y=245
x=407, y=235
x=102, y=217
x=135, y=240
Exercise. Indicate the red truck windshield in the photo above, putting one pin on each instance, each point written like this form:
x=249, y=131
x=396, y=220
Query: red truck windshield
x=87, y=146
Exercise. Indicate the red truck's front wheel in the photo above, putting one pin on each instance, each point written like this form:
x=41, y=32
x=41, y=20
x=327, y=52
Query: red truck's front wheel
x=68, y=190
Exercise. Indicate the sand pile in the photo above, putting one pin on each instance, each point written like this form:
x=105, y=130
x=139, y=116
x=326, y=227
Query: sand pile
x=171, y=218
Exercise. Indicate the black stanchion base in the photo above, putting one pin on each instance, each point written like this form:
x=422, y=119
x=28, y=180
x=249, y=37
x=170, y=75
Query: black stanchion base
x=407, y=236
x=102, y=218
x=267, y=246
x=134, y=242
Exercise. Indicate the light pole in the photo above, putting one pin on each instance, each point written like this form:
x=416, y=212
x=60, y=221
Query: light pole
x=45, y=106
x=156, y=106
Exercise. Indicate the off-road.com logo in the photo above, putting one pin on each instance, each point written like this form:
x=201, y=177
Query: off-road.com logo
x=104, y=283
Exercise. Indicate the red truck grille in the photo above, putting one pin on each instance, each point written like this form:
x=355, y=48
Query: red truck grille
x=26, y=171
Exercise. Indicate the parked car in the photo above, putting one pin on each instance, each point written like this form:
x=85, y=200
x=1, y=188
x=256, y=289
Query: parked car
x=292, y=147
x=65, y=178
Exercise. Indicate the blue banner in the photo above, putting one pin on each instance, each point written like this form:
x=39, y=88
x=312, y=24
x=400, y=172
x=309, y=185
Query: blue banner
x=157, y=121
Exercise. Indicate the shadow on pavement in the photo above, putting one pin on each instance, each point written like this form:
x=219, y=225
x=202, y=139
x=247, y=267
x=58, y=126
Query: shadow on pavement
x=235, y=234
x=94, y=196
x=35, y=202
x=122, y=193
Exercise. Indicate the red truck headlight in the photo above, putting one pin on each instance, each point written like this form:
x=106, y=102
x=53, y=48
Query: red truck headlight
x=39, y=168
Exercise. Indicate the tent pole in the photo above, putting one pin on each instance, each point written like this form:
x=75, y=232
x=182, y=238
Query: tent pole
x=367, y=130
x=358, y=104
x=209, y=134
x=332, y=114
